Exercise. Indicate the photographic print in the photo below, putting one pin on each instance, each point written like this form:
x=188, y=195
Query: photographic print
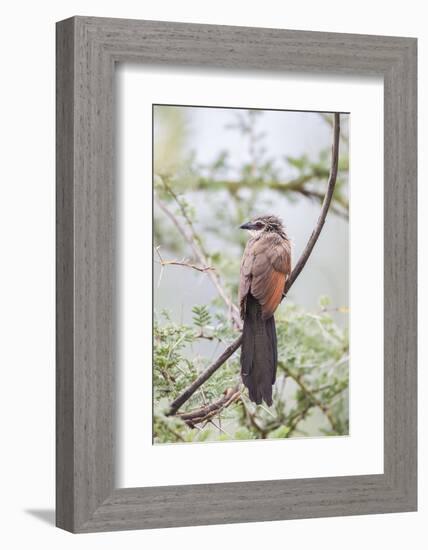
x=250, y=274
x=200, y=169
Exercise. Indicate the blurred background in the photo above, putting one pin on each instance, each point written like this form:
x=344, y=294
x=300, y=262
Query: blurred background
x=215, y=168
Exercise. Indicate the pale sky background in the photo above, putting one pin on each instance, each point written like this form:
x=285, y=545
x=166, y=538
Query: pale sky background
x=288, y=133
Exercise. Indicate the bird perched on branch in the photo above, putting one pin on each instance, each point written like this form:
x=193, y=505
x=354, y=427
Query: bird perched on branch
x=265, y=268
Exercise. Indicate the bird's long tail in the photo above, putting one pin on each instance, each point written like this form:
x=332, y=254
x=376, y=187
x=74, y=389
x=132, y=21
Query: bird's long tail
x=258, y=353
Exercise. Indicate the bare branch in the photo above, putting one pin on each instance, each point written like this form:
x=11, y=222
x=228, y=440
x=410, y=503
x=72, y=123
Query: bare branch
x=297, y=418
x=324, y=208
x=178, y=225
x=330, y=122
x=251, y=417
x=207, y=412
x=340, y=206
x=183, y=262
x=300, y=185
x=193, y=240
x=199, y=249
x=203, y=377
x=297, y=185
x=230, y=350
x=312, y=398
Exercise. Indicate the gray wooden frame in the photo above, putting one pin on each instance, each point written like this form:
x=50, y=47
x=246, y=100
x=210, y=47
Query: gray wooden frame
x=87, y=50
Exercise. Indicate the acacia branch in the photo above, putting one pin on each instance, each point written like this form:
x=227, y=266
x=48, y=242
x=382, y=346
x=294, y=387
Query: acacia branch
x=340, y=208
x=297, y=418
x=312, y=398
x=295, y=185
x=207, y=412
x=251, y=418
x=194, y=242
x=324, y=208
x=230, y=350
x=298, y=186
x=183, y=262
x=203, y=377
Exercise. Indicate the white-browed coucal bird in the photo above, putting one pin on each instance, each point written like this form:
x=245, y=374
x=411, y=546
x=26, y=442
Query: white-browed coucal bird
x=265, y=268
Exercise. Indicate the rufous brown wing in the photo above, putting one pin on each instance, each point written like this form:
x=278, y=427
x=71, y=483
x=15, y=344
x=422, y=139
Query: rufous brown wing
x=265, y=268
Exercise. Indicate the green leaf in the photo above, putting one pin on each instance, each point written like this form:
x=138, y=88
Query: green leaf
x=280, y=433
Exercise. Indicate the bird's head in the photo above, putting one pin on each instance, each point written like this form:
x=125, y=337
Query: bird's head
x=261, y=224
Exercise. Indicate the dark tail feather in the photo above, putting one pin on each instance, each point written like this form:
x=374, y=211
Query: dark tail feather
x=258, y=353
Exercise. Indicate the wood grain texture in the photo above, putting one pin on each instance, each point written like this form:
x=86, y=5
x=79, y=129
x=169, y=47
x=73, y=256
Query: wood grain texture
x=87, y=49
x=64, y=277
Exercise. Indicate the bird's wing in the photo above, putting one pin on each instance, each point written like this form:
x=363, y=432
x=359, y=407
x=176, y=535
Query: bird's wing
x=270, y=269
x=245, y=276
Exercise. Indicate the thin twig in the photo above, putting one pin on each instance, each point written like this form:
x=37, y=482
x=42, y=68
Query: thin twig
x=190, y=390
x=330, y=120
x=312, y=397
x=183, y=262
x=198, y=245
x=220, y=429
x=230, y=350
x=175, y=433
x=194, y=242
x=207, y=412
x=202, y=254
x=298, y=186
x=324, y=208
x=297, y=418
x=266, y=410
x=251, y=417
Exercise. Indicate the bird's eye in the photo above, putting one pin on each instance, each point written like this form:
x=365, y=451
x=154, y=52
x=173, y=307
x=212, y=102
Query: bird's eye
x=259, y=225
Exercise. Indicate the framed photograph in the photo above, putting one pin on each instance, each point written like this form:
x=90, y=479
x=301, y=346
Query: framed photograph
x=236, y=274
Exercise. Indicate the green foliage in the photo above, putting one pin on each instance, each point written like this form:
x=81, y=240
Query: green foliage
x=201, y=316
x=312, y=375
x=311, y=391
x=186, y=181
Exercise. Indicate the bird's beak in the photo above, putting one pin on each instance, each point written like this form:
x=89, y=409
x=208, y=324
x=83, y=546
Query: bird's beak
x=247, y=225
